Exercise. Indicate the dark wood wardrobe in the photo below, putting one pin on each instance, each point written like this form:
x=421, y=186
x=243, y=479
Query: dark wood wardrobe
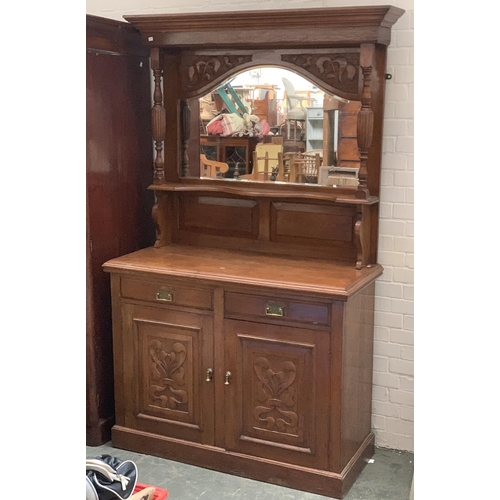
x=118, y=220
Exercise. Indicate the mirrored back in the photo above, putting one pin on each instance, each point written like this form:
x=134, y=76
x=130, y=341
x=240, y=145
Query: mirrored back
x=269, y=124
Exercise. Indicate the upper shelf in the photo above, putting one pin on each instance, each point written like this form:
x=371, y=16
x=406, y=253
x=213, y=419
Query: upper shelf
x=350, y=26
x=267, y=190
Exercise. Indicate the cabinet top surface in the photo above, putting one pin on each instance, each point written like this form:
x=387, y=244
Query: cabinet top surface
x=246, y=268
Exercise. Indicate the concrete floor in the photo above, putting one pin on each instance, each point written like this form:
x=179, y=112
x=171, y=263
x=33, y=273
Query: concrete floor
x=388, y=478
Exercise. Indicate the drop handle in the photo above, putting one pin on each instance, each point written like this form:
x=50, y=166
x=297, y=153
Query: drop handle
x=228, y=376
x=210, y=375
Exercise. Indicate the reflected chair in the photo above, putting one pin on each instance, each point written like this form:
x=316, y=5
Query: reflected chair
x=295, y=112
x=303, y=167
x=267, y=163
x=212, y=168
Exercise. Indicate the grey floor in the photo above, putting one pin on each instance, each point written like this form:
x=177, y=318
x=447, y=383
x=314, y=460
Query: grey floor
x=388, y=477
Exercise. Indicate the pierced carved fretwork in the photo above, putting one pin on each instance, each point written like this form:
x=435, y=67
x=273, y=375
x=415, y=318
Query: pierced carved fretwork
x=276, y=396
x=338, y=70
x=201, y=70
x=168, y=375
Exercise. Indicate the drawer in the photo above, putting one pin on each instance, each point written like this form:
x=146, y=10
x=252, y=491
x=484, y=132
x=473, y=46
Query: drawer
x=166, y=293
x=315, y=113
x=240, y=305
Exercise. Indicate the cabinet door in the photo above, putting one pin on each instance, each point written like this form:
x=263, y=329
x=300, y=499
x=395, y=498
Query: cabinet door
x=166, y=355
x=277, y=399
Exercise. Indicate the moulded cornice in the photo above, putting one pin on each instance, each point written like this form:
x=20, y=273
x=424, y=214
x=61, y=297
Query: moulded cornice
x=368, y=17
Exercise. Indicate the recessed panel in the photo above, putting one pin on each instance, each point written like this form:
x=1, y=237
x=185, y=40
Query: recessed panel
x=278, y=389
x=167, y=371
x=219, y=216
x=311, y=224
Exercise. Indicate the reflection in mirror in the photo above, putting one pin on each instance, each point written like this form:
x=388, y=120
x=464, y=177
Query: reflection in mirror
x=273, y=125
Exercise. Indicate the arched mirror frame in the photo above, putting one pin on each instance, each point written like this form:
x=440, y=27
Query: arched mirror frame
x=192, y=53
x=335, y=71
x=304, y=40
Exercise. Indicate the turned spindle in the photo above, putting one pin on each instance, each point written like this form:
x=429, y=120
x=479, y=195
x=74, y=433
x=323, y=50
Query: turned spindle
x=185, y=112
x=365, y=129
x=158, y=118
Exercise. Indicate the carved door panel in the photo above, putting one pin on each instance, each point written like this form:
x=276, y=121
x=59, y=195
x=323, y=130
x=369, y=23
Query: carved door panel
x=277, y=398
x=166, y=358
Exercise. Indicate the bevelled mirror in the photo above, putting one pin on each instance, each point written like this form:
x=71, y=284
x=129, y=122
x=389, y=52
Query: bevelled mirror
x=269, y=124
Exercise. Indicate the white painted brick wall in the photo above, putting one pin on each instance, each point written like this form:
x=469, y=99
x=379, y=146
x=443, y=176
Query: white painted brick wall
x=392, y=419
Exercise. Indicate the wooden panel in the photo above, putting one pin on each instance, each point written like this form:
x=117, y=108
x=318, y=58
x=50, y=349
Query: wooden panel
x=348, y=150
x=180, y=296
x=119, y=169
x=265, y=109
x=277, y=397
x=219, y=216
x=225, y=151
x=357, y=368
x=254, y=306
x=166, y=354
x=311, y=224
x=348, y=126
x=167, y=370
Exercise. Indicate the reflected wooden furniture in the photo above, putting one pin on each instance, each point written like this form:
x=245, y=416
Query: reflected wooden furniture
x=330, y=129
x=303, y=167
x=338, y=176
x=118, y=204
x=266, y=108
x=230, y=150
x=267, y=163
x=348, y=151
x=243, y=339
x=273, y=139
x=211, y=168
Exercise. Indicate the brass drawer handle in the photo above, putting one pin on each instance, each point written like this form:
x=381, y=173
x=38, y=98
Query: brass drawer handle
x=210, y=375
x=274, y=310
x=164, y=296
x=228, y=376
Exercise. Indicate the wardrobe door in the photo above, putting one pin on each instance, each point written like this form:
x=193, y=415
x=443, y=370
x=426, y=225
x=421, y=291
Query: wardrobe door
x=119, y=169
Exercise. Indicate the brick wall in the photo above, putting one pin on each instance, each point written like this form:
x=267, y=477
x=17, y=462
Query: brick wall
x=392, y=418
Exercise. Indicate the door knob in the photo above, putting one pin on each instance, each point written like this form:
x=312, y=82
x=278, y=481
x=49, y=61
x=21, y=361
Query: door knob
x=210, y=375
x=228, y=376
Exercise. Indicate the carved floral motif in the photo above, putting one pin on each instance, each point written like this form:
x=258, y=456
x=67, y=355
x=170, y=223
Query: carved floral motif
x=276, y=394
x=338, y=70
x=204, y=69
x=167, y=371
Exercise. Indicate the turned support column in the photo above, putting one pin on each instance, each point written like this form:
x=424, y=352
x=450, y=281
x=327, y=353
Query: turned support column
x=158, y=118
x=365, y=119
x=185, y=113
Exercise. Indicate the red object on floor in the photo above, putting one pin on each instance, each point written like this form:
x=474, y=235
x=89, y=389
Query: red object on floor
x=160, y=493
